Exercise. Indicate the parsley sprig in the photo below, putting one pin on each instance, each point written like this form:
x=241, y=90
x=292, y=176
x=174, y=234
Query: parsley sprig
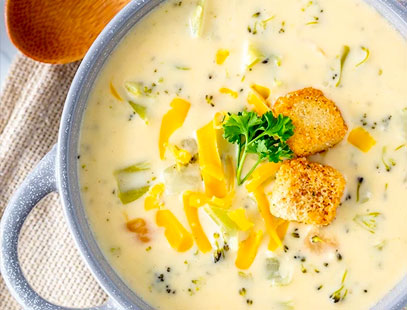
x=264, y=135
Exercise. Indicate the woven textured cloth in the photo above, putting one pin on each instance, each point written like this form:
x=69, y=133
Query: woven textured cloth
x=31, y=104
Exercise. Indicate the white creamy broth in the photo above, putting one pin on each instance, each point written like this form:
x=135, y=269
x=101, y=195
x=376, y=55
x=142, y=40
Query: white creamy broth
x=302, y=42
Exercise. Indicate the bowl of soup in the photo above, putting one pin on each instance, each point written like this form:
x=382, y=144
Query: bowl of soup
x=235, y=155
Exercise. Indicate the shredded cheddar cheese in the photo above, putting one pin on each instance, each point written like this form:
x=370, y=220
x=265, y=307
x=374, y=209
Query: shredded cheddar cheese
x=171, y=121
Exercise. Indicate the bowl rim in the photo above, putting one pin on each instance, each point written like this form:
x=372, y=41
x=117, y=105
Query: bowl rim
x=69, y=133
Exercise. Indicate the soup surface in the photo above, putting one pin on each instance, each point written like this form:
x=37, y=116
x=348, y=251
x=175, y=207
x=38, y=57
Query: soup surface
x=209, y=55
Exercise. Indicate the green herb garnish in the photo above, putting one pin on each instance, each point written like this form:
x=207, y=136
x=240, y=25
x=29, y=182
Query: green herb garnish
x=264, y=136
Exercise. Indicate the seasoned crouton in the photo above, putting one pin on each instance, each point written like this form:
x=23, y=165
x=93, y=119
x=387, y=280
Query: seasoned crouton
x=318, y=122
x=306, y=192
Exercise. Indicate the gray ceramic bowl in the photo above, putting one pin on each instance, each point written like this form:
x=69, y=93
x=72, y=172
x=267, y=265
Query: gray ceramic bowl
x=58, y=172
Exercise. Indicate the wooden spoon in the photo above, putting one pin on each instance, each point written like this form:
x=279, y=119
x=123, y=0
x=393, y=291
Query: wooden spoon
x=58, y=31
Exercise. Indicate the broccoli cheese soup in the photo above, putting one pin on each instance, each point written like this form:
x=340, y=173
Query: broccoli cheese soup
x=252, y=155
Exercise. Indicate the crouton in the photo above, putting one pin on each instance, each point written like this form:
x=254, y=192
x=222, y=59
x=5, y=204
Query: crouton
x=306, y=192
x=318, y=122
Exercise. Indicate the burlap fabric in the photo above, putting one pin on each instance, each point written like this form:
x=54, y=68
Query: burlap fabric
x=30, y=107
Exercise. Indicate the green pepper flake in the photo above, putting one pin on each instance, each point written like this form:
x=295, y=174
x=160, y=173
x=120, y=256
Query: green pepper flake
x=242, y=291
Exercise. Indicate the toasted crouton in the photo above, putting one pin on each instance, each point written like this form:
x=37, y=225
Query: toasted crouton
x=306, y=192
x=318, y=122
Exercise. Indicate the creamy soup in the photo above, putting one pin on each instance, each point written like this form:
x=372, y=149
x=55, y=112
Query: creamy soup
x=183, y=68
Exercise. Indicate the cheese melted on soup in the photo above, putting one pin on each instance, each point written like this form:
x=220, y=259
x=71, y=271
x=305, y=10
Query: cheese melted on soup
x=166, y=193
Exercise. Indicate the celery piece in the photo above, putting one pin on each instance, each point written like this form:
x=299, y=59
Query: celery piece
x=134, y=88
x=141, y=166
x=139, y=109
x=221, y=218
x=133, y=194
x=252, y=56
x=178, y=179
x=344, y=55
x=128, y=195
x=273, y=273
x=197, y=19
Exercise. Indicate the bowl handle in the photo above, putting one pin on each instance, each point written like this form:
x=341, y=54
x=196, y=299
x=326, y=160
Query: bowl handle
x=38, y=184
